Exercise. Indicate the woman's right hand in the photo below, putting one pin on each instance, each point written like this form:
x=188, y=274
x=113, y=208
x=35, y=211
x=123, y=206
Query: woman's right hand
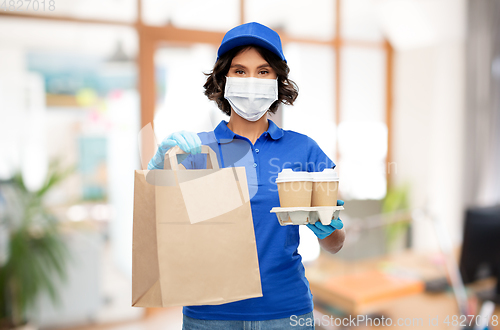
x=188, y=141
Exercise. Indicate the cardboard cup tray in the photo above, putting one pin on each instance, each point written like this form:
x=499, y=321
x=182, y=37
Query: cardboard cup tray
x=305, y=215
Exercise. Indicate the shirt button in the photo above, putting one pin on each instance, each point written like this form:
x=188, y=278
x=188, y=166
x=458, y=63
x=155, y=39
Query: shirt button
x=254, y=164
x=257, y=150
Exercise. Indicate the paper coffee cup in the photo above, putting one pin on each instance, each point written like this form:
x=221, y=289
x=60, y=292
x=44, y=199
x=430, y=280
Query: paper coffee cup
x=325, y=187
x=294, y=188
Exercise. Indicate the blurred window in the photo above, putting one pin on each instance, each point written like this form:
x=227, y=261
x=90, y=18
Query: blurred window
x=362, y=131
x=351, y=127
x=360, y=20
x=298, y=18
x=214, y=15
x=312, y=67
x=180, y=98
x=107, y=10
x=363, y=84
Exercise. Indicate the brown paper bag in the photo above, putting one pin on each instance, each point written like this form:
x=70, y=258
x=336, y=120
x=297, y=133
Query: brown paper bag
x=193, y=238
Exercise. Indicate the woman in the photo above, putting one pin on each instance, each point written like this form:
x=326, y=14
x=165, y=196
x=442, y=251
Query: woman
x=250, y=79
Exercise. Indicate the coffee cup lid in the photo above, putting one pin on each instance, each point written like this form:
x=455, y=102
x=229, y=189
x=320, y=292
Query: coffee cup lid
x=327, y=175
x=288, y=175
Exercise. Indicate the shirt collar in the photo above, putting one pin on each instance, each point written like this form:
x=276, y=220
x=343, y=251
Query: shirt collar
x=224, y=135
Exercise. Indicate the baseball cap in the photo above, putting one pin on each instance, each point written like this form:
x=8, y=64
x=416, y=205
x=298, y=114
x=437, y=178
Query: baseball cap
x=251, y=34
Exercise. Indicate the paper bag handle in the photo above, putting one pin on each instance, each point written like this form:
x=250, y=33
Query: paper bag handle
x=171, y=157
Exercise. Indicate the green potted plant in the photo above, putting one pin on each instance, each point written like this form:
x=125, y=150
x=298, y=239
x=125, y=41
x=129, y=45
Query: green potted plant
x=396, y=201
x=36, y=250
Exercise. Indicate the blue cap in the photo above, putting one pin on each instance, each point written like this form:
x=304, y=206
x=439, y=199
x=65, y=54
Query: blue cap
x=251, y=34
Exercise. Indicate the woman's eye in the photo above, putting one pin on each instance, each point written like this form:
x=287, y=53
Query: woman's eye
x=239, y=72
x=264, y=72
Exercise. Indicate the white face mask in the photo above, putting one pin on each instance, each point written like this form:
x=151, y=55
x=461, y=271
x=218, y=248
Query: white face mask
x=250, y=98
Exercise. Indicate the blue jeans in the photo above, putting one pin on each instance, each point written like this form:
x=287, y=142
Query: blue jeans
x=305, y=321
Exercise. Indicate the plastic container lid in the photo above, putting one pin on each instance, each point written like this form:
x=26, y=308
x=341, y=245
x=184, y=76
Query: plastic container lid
x=328, y=175
x=288, y=175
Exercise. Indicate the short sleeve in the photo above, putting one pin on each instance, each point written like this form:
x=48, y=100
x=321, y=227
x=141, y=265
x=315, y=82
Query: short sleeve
x=317, y=160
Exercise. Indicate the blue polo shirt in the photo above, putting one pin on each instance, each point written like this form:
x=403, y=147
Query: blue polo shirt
x=285, y=288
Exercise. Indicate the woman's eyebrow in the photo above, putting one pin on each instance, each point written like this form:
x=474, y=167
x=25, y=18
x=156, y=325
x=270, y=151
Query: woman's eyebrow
x=265, y=65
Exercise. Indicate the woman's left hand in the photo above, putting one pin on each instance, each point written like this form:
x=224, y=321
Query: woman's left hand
x=323, y=231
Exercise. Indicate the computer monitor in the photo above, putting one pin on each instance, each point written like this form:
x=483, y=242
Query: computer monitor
x=480, y=256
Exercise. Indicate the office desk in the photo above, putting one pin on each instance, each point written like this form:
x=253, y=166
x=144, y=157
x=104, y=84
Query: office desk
x=410, y=303
x=367, y=286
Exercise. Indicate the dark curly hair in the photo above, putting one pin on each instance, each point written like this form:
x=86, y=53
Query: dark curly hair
x=216, y=79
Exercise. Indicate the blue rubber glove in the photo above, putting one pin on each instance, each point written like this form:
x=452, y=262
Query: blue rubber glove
x=323, y=231
x=188, y=141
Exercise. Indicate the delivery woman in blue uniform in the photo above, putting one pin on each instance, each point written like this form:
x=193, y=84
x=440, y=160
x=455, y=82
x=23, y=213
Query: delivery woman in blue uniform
x=250, y=79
